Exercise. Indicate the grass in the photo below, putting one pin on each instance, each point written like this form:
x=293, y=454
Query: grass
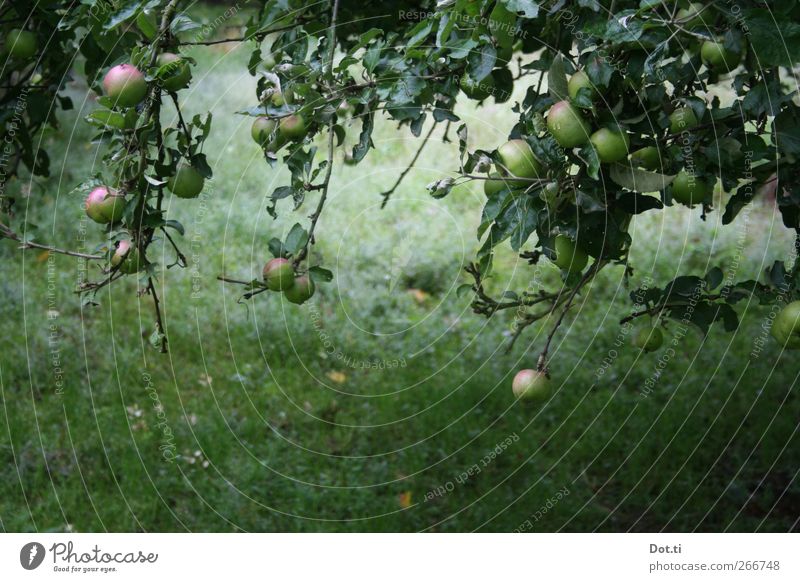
x=374, y=408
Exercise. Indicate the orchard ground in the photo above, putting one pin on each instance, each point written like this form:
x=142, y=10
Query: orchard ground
x=383, y=404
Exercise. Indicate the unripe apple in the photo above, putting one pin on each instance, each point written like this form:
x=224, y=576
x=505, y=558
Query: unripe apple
x=125, y=85
x=21, y=44
x=187, y=182
x=577, y=82
x=104, y=205
x=478, y=90
x=569, y=256
x=531, y=385
x=301, y=291
x=178, y=76
x=292, y=127
x=262, y=130
x=611, y=146
x=688, y=189
x=567, y=125
x=786, y=326
x=648, y=158
x=127, y=257
x=517, y=157
x=278, y=274
x=494, y=184
x=681, y=119
x=716, y=56
x=648, y=338
x=691, y=16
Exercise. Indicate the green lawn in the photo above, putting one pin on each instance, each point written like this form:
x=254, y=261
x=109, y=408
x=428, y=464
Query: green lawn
x=373, y=407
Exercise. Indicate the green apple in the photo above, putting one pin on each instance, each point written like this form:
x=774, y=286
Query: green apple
x=494, y=184
x=577, y=82
x=717, y=57
x=786, y=326
x=263, y=129
x=682, y=119
x=648, y=158
x=531, y=385
x=278, y=274
x=125, y=85
x=478, y=90
x=611, y=146
x=178, y=74
x=187, y=182
x=691, y=17
x=104, y=205
x=21, y=44
x=567, y=125
x=292, y=127
x=569, y=256
x=518, y=159
x=301, y=291
x=648, y=338
x=689, y=189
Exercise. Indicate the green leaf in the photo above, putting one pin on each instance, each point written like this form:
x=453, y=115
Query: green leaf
x=320, y=275
x=527, y=8
x=296, y=239
x=557, y=79
x=637, y=180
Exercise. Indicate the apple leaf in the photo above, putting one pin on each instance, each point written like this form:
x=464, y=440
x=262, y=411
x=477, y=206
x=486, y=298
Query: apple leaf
x=557, y=79
x=637, y=180
x=296, y=239
x=320, y=275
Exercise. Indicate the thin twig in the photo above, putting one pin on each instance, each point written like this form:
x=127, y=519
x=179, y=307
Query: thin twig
x=331, y=144
x=6, y=232
x=157, y=308
x=388, y=193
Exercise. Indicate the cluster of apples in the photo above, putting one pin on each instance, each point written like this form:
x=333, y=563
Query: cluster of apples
x=272, y=134
x=518, y=167
x=126, y=86
x=279, y=276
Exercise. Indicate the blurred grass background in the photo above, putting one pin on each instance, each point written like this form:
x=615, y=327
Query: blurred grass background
x=269, y=430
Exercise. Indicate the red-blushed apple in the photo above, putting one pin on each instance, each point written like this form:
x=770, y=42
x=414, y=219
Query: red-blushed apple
x=127, y=257
x=104, y=205
x=278, y=274
x=531, y=386
x=292, y=127
x=125, y=85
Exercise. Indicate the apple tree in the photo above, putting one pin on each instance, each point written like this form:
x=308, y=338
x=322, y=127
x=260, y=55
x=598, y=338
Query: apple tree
x=619, y=116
